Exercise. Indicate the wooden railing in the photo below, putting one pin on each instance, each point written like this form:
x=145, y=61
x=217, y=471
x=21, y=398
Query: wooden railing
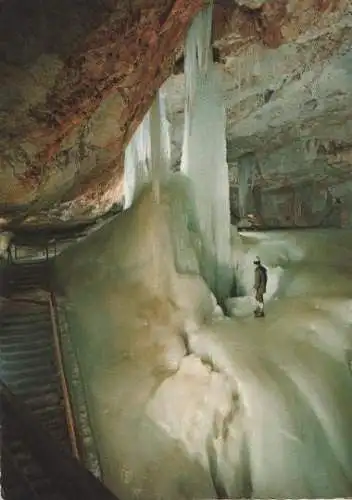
x=80, y=428
x=67, y=402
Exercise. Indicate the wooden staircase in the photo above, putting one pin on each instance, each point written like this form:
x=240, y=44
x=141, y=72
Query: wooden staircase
x=32, y=378
x=29, y=367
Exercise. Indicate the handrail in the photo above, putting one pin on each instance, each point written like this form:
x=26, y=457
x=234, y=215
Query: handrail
x=64, y=385
x=82, y=418
x=69, y=476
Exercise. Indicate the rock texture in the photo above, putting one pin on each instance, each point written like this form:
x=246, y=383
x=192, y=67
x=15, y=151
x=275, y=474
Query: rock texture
x=77, y=77
x=286, y=72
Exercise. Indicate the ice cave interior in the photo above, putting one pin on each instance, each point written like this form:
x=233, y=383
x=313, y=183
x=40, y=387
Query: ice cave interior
x=189, y=394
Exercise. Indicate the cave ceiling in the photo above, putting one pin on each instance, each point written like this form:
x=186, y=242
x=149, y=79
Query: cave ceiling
x=77, y=77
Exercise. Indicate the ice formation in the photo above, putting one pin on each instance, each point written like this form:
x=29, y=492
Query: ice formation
x=148, y=154
x=5, y=240
x=246, y=172
x=137, y=158
x=185, y=404
x=204, y=154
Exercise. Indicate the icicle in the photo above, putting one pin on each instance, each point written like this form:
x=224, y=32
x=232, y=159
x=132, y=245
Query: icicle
x=137, y=161
x=129, y=174
x=204, y=154
x=246, y=170
x=160, y=144
x=148, y=155
x=311, y=149
x=165, y=135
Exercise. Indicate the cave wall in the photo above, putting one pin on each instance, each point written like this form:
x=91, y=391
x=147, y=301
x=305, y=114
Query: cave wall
x=308, y=202
x=287, y=92
x=75, y=81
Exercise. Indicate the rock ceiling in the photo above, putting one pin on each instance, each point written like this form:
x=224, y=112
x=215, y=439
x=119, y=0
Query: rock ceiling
x=77, y=77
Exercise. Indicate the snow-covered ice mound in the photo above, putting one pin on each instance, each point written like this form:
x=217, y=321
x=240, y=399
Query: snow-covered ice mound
x=187, y=405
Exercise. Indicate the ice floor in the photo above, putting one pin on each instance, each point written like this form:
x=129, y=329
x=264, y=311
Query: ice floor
x=186, y=404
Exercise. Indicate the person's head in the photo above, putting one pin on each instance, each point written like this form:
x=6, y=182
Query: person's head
x=257, y=261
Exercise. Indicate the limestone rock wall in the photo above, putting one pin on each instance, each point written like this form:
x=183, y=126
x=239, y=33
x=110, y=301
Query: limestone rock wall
x=75, y=80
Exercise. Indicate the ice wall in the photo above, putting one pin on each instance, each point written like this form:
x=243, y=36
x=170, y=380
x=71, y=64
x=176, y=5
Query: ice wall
x=148, y=154
x=204, y=154
x=187, y=406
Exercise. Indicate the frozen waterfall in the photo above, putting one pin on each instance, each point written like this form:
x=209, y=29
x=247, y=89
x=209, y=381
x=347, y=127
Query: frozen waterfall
x=137, y=159
x=204, y=154
x=148, y=154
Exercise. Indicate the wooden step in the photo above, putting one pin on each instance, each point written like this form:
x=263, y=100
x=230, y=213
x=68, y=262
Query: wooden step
x=28, y=366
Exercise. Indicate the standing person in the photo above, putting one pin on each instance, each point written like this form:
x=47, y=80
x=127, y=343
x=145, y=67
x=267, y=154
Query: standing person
x=260, y=280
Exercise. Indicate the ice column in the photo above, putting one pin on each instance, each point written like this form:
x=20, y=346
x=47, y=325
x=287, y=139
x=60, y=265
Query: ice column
x=246, y=171
x=148, y=154
x=204, y=154
x=137, y=161
x=160, y=153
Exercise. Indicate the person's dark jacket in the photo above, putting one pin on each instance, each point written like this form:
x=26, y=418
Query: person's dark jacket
x=260, y=278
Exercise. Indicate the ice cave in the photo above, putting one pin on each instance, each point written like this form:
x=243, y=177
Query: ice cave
x=131, y=354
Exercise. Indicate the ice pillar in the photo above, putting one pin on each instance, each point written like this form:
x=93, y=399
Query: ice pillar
x=137, y=161
x=204, y=154
x=246, y=171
